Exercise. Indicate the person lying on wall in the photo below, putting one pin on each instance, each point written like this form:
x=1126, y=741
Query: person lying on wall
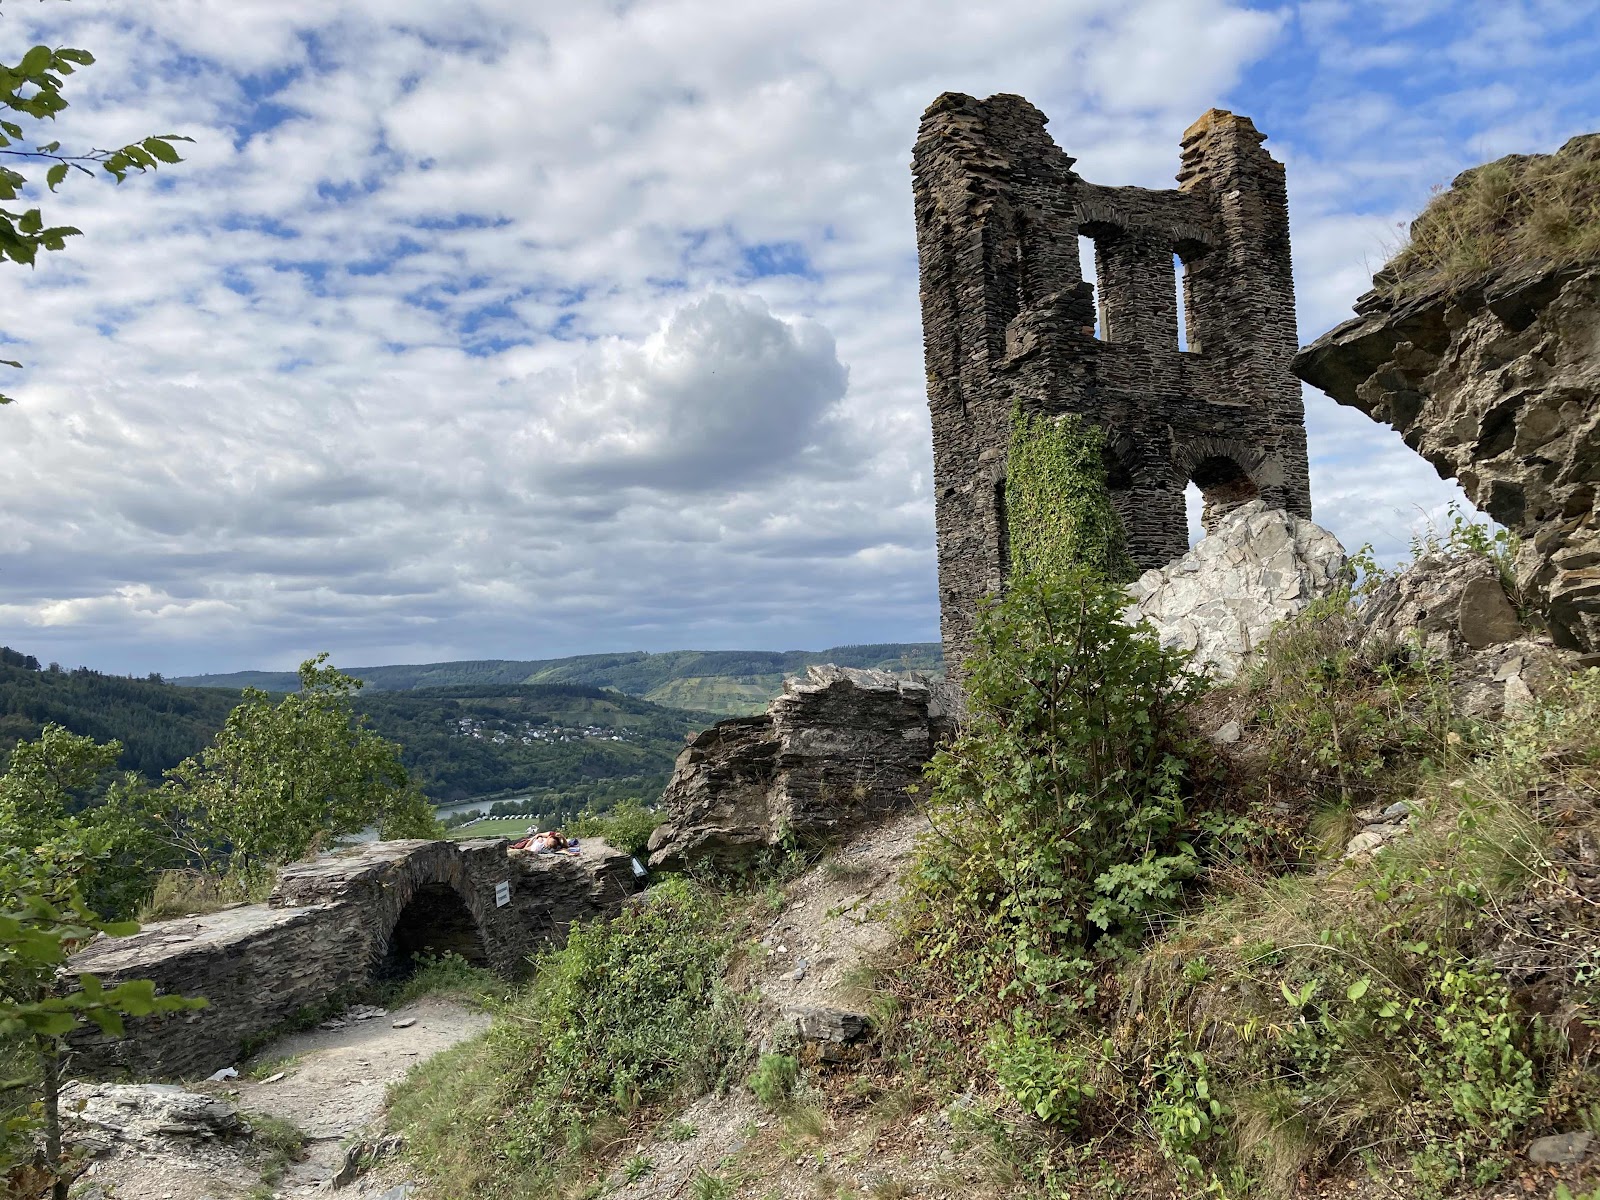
x=548, y=842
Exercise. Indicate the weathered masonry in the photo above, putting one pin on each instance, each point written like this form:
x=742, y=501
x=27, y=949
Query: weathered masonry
x=1008, y=318
x=333, y=926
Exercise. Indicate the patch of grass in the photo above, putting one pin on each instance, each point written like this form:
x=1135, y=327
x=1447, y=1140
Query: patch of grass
x=774, y=1078
x=268, y=1067
x=449, y=976
x=629, y=1015
x=683, y=1131
x=282, y=1141
x=184, y=893
x=1521, y=208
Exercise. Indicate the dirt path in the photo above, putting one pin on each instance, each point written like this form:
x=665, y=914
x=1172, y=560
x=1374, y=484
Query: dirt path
x=334, y=1080
x=329, y=1083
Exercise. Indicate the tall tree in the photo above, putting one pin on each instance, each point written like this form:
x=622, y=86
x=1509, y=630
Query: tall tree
x=281, y=777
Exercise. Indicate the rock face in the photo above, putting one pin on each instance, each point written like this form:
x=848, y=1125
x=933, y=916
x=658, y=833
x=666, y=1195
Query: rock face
x=1495, y=384
x=1221, y=599
x=834, y=750
x=332, y=926
x=1455, y=609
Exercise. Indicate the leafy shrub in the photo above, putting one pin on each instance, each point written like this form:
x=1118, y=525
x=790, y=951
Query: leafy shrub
x=1058, y=810
x=627, y=825
x=1050, y=1079
x=1341, y=715
x=774, y=1078
x=629, y=1013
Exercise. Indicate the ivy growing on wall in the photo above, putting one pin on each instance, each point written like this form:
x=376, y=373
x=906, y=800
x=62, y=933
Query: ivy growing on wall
x=1058, y=510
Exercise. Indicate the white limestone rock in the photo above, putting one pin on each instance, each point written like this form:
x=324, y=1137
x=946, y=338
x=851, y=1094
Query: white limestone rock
x=1258, y=567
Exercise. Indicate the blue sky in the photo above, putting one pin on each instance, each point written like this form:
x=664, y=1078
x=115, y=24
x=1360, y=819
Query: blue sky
x=511, y=329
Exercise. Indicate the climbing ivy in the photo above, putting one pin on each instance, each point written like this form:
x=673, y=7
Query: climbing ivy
x=1058, y=511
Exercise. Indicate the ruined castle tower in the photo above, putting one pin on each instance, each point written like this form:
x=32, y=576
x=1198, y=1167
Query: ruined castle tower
x=1008, y=317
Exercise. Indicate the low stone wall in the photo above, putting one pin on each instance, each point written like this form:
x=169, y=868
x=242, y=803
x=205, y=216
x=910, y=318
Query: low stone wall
x=332, y=925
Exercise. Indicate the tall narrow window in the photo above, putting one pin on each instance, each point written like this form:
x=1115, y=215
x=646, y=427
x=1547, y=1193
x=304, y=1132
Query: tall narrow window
x=1002, y=525
x=1091, y=274
x=1183, y=304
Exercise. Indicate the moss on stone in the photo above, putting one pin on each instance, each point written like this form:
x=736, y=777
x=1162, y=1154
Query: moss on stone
x=1058, y=508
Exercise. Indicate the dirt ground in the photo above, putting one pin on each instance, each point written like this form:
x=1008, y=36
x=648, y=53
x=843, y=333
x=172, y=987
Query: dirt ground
x=329, y=1083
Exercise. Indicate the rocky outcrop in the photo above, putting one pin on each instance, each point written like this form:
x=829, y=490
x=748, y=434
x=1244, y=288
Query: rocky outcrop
x=1456, y=610
x=1221, y=599
x=831, y=752
x=1494, y=382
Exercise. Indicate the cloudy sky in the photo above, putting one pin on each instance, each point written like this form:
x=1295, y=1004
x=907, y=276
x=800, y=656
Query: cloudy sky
x=518, y=328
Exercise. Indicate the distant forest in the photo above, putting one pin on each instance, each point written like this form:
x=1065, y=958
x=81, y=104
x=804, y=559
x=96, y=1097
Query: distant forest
x=590, y=746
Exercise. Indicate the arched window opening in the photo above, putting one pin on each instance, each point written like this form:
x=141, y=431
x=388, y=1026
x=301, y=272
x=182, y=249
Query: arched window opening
x=435, y=922
x=1089, y=266
x=1194, y=507
x=1183, y=301
x=1223, y=485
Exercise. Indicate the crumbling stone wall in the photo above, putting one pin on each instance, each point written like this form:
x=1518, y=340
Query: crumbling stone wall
x=838, y=749
x=330, y=928
x=1007, y=317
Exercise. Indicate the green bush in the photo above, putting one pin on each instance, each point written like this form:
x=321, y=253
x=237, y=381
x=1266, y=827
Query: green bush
x=631, y=1012
x=1058, y=812
x=627, y=825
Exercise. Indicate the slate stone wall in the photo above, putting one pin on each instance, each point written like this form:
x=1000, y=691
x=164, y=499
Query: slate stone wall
x=333, y=926
x=1008, y=317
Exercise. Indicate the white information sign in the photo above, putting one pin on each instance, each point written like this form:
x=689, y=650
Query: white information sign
x=502, y=894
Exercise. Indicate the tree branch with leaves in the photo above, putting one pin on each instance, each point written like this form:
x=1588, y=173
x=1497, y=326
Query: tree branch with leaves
x=31, y=90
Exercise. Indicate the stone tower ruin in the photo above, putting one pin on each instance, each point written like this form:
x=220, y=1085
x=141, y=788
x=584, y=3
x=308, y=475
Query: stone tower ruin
x=1007, y=317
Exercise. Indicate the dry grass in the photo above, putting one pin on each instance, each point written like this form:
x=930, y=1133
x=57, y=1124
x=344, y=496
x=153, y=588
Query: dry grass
x=195, y=893
x=1522, y=208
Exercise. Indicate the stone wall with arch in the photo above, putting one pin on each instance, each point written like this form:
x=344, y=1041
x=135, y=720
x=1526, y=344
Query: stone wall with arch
x=334, y=926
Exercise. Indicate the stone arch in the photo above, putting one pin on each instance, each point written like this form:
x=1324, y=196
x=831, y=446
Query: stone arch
x=437, y=920
x=428, y=906
x=1227, y=472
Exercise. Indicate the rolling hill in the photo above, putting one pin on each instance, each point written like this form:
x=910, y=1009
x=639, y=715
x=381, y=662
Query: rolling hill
x=714, y=681
x=581, y=745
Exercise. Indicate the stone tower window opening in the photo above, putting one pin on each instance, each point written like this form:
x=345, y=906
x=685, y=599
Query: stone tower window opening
x=1194, y=507
x=1089, y=267
x=1181, y=277
x=436, y=921
x=1002, y=521
x=1223, y=486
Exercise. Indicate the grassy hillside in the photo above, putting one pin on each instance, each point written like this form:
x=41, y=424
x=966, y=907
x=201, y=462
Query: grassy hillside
x=719, y=681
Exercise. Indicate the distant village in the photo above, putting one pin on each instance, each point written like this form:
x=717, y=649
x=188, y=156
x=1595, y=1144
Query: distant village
x=531, y=734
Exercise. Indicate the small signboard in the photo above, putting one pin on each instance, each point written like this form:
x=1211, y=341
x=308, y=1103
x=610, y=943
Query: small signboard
x=638, y=869
x=502, y=893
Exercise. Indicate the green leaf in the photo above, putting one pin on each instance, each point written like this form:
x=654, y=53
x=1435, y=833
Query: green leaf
x=36, y=61
x=55, y=175
x=161, y=149
x=1358, y=989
